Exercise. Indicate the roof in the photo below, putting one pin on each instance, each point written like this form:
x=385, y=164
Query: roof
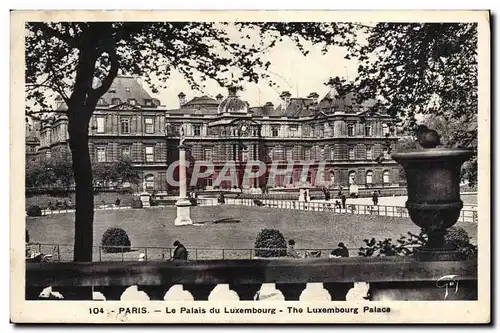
x=123, y=88
x=202, y=101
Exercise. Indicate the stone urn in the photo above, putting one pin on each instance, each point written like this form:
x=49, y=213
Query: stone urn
x=433, y=181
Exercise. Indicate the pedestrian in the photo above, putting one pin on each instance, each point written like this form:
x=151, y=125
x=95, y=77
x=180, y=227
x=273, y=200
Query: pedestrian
x=375, y=198
x=50, y=206
x=290, y=251
x=343, y=251
x=221, y=198
x=344, y=199
x=117, y=202
x=180, y=252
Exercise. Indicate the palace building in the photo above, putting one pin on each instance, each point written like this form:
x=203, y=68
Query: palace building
x=351, y=142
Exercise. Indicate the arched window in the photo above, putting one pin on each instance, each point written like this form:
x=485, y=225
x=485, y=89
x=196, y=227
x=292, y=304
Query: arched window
x=352, y=177
x=387, y=178
x=332, y=177
x=149, y=182
x=369, y=177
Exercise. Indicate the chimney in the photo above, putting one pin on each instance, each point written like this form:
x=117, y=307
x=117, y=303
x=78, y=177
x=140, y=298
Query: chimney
x=268, y=108
x=182, y=99
x=285, y=97
x=219, y=97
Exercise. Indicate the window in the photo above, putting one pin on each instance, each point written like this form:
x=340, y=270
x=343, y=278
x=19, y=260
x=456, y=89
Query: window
x=289, y=151
x=126, y=151
x=209, y=181
x=197, y=129
x=386, y=177
x=100, y=124
x=385, y=129
x=332, y=177
x=368, y=130
x=274, y=131
x=293, y=130
x=351, y=153
x=369, y=177
x=369, y=154
x=150, y=154
x=149, y=125
x=148, y=102
x=207, y=154
x=352, y=177
x=255, y=131
x=149, y=182
x=116, y=101
x=101, y=154
x=125, y=125
x=320, y=130
x=132, y=101
x=48, y=154
x=350, y=130
x=255, y=151
x=101, y=101
x=332, y=154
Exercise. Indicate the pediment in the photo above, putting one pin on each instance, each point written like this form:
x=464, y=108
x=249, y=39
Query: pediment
x=125, y=107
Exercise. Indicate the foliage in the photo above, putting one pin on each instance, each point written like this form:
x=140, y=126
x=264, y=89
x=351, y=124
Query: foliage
x=136, y=202
x=34, y=211
x=115, y=240
x=270, y=243
x=403, y=246
x=49, y=172
x=27, y=236
x=422, y=68
x=456, y=236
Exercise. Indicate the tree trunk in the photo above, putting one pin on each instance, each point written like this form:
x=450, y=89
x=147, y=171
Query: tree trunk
x=78, y=124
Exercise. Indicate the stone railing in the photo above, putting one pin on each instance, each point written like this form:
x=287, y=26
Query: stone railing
x=386, y=278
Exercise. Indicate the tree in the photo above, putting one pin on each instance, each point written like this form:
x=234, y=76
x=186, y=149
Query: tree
x=422, y=68
x=123, y=171
x=79, y=61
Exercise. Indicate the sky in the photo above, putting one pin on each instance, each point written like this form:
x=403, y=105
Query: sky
x=294, y=72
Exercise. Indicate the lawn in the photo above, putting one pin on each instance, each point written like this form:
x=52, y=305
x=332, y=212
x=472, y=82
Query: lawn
x=155, y=227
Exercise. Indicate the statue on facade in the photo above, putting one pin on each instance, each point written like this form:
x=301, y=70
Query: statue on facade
x=182, y=134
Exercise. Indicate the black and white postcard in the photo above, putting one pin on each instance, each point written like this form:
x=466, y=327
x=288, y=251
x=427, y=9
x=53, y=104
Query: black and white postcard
x=250, y=167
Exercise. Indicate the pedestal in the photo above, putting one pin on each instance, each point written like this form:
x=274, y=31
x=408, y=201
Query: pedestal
x=145, y=199
x=183, y=212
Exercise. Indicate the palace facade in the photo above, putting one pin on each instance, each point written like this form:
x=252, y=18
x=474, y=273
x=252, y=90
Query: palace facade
x=347, y=139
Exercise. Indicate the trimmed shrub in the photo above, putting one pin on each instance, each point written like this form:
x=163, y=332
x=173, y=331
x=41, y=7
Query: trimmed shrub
x=115, y=240
x=457, y=236
x=270, y=243
x=34, y=211
x=136, y=202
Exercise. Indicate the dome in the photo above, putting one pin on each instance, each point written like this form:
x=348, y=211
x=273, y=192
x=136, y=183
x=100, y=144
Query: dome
x=233, y=104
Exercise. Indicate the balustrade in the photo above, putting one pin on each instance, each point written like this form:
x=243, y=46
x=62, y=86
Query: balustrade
x=381, y=278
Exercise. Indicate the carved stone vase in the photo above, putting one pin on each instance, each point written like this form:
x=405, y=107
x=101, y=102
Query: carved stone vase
x=433, y=181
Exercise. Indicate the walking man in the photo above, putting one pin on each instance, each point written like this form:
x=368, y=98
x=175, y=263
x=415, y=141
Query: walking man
x=375, y=198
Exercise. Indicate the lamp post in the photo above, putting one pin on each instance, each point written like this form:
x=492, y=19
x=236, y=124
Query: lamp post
x=433, y=181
